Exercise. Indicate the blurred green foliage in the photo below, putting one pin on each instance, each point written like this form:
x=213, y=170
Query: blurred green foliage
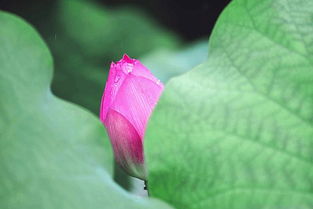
x=86, y=37
x=166, y=63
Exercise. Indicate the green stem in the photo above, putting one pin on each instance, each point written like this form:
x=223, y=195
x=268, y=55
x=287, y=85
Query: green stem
x=146, y=187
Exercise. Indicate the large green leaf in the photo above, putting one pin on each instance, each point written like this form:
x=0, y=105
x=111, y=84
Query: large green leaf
x=53, y=154
x=237, y=131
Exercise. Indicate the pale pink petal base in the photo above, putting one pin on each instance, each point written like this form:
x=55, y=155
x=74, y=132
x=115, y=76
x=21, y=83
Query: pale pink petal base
x=128, y=153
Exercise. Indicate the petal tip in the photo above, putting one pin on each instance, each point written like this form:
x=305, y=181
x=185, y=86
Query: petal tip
x=127, y=59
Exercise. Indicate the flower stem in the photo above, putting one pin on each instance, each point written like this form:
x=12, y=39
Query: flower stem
x=146, y=187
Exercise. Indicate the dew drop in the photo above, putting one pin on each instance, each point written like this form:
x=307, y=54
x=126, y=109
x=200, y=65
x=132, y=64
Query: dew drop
x=158, y=82
x=128, y=68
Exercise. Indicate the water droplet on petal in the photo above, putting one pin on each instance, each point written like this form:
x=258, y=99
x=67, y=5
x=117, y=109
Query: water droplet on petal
x=128, y=67
x=158, y=82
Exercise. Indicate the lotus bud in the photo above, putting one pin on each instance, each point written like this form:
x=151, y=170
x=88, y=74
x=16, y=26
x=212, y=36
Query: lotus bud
x=130, y=94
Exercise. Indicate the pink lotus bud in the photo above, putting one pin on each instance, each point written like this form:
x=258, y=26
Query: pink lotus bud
x=130, y=94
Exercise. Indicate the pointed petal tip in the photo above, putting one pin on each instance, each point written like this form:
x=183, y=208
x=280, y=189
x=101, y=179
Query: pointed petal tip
x=126, y=58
